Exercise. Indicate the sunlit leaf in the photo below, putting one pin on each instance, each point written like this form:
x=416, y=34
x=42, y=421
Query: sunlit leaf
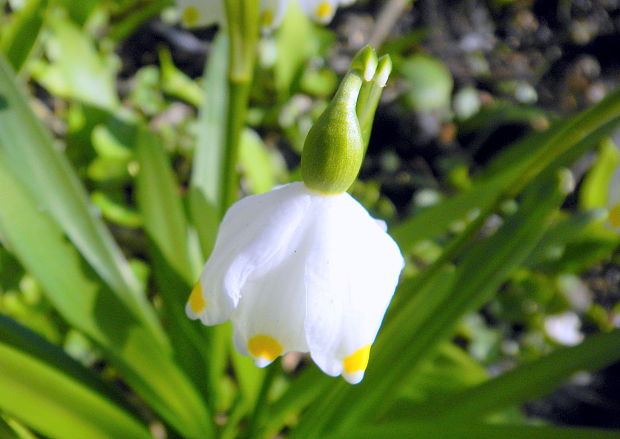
x=88, y=305
x=20, y=37
x=52, y=393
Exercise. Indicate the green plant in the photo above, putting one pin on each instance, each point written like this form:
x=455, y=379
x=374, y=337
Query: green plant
x=139, y=366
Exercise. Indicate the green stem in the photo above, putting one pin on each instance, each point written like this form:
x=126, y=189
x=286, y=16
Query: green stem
x=239, y=92
x=260, y=408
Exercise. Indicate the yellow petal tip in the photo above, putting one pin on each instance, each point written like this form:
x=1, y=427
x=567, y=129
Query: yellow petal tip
x=264, y=349
x=196, y=301
x=357, y=361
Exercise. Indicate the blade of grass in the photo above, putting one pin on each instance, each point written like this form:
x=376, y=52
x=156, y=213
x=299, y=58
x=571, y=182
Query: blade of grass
x=39, y=244
x=6, y=432
x=515, y=168
x=21, y=35
x=158, y=197
x=34, y=158
x=209, y=155
x=525, y=382
x=205, y=192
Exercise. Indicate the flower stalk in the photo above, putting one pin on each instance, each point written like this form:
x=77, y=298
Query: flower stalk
x=243, y=18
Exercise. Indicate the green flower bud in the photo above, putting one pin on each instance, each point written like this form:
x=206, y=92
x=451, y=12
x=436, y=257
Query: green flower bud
x=384, y=68
x=365, y=63
x=334, y=149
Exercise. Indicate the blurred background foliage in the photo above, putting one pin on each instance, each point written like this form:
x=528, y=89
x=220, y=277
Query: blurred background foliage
x=490, y=158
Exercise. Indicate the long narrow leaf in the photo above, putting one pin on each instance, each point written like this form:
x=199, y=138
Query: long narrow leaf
x=34, y=159
x=21, y=36
x=410, y=430
x=52, y=393
x=526, y=382
x=88, y=305
x=514, y=168
x=167, y=231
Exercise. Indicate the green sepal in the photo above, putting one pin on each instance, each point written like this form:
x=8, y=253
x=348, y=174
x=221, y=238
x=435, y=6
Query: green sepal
x=334, y=148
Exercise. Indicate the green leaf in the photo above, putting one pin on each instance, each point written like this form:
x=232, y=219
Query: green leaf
x=39, y=165
x=159, y=199
x=430, y=83
x=451, y=370
x=205, y=191
x=6, y=432
x=85, y=75
x=158, y=196
x=20, y=36
x=88, y=305
x=206, y=175
x=52, y=393
x=405, y=430
x=573, y=228
x=514, y=168
x=294, y=47
x=595, y=187
x=260, y=167
x=79, y=11
x=176, y=83
x=524, y=383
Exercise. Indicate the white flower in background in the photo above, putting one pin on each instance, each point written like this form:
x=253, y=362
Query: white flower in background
x=613, y=200
x=199, y=13
x=564, y=328
x=296, y=270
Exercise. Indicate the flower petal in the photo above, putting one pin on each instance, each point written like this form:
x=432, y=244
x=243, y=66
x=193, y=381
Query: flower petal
x=251, y=236
x=196, y=13
x=350, y=281
x=321, y=11
x=272, y=13
x=269, y=320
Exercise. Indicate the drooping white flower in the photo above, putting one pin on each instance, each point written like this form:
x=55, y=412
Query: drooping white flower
x=296, y=270
x=199, y=13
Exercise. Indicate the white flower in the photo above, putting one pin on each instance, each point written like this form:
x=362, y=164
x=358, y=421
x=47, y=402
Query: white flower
x=296, y=270
x=199, y=13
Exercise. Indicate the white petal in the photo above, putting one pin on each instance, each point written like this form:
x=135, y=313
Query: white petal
x=251, y=236
x=200, y=13
x=272, y=308
x=320, y=10
x=272, y=13
x=350, y=281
